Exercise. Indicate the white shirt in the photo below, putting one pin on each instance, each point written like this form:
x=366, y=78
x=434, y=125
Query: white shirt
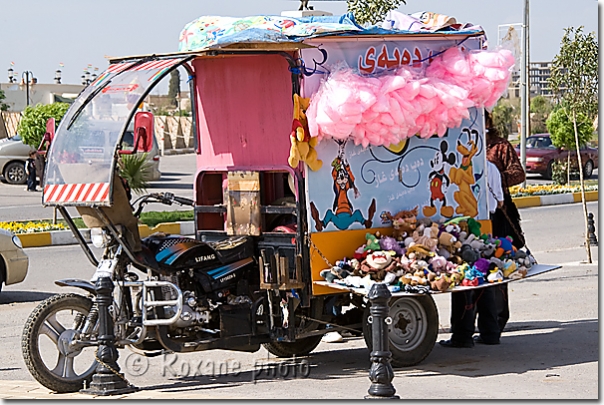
x=495, y=192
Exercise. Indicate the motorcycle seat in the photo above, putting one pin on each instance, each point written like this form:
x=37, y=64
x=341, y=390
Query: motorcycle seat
x=233, y=248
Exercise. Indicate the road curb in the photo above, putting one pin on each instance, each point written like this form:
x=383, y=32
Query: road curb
x=57, y=238
x=553, y=199
x=54, y=238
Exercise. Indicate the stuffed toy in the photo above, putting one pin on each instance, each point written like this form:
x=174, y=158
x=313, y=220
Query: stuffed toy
x=495, y=276
x=473, y=241
x=438, y=264
x=378, y=264
x=334, y=273
x=403, y=222
x=496, y=262
x=509, y=266
x=473, y=277
x=469, y=254
x=440, y=283
x=449, y=243
x=303, y=145
x=504, y=247
x=390, y=244
x=426, y=236
x=373, y=243
x=482, y=265
x=418, y=252
x=521, y=273
x=523, y=259
x=473, y=227
x=360, y=253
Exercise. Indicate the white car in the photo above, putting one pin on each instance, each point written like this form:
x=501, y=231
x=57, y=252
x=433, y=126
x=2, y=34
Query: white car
x=13, y=260
x=13, y=154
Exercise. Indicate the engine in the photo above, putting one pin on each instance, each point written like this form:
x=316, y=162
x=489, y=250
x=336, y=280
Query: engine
x=210, y=275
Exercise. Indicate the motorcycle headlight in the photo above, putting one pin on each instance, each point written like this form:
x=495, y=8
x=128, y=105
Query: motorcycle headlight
x=98, y=237
x=17, y=242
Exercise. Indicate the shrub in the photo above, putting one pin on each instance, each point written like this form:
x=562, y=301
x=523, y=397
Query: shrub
x=136, y=170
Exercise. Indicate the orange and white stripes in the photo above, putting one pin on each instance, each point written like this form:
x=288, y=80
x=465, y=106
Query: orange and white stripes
x=76, y=193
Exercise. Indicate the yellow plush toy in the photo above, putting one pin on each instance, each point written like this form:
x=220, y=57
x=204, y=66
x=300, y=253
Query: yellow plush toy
x=303, y=145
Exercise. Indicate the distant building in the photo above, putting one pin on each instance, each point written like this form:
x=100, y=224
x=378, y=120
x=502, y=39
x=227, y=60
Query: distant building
x=539, y=73
x=39, y=93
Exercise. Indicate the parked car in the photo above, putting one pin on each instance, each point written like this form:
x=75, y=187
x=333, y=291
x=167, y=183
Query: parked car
x=13, y=260
x=541, y=154
x=152, y=155
x=13, y=154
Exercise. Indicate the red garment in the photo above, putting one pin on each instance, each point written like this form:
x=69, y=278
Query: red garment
x=503, y=155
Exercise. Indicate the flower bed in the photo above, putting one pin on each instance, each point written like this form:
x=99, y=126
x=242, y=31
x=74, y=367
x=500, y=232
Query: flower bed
x=548, y=189
x=31, y=227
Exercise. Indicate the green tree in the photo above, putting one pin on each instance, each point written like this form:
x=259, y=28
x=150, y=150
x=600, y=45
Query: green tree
x=3, y=106
x=574, y=81
x=562, y=132
x=33, y=122
x=540, y=109
x=174, y=87
x=503, y=117
x=372, y=11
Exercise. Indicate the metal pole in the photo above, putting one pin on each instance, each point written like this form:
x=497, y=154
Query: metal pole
x=27, y=88
x=524, y=87
x=380, y=373
x=107, y=380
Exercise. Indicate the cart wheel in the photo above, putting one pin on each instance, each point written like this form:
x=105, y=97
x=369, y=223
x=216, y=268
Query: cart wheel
x=412, y=333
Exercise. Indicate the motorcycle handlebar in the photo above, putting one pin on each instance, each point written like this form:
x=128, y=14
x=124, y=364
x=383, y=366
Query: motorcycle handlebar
x=184, y=201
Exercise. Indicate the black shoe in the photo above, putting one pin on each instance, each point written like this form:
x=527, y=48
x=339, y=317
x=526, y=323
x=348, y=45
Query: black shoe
x=479, y=339
x=452, y=343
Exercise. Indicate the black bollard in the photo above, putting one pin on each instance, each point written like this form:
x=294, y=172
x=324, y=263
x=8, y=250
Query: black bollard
x=107, y=380
x=591, y=228
x=380, y=373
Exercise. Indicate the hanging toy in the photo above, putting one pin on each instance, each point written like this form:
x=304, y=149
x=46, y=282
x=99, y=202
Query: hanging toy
x=303, y=146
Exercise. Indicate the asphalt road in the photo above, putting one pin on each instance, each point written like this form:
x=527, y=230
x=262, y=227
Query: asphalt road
x=178, y=171
x=549, y=349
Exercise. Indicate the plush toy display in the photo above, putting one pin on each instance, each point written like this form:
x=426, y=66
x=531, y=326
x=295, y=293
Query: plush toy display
x=303, y=145
x=433, y=258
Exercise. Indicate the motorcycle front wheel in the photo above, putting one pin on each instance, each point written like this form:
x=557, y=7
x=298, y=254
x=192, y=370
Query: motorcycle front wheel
x=45, y=343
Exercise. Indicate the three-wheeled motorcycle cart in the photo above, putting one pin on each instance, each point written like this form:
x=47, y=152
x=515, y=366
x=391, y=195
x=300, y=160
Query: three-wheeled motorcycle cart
x=264, y=228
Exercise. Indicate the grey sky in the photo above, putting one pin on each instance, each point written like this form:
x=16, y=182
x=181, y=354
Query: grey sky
x=37, y=35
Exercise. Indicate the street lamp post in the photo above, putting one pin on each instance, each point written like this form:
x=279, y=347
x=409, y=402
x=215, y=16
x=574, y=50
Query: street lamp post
x=26, y=81
x=525, y=93
x=11, y=75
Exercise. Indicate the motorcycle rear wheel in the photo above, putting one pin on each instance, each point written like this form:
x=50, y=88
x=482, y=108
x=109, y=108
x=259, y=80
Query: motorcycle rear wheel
x=301, y=347
x=51, y=319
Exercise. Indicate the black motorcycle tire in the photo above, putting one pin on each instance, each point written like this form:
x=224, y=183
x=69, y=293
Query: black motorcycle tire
x=414, y=343
x=30, y=344
x=300, y=347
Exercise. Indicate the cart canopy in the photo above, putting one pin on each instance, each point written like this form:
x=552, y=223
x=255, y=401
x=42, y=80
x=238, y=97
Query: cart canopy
x=83, y=154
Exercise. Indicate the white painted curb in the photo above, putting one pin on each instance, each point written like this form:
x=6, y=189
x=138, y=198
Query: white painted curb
x=67, y=238
x=556, y=199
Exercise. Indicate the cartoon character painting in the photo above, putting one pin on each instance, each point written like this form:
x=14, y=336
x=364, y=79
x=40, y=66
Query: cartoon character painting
x=439, y=181
x=342, y=215
x=463, y=176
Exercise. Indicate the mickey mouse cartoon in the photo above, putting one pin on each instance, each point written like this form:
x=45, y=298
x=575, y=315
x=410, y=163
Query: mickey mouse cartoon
x=439, y=179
